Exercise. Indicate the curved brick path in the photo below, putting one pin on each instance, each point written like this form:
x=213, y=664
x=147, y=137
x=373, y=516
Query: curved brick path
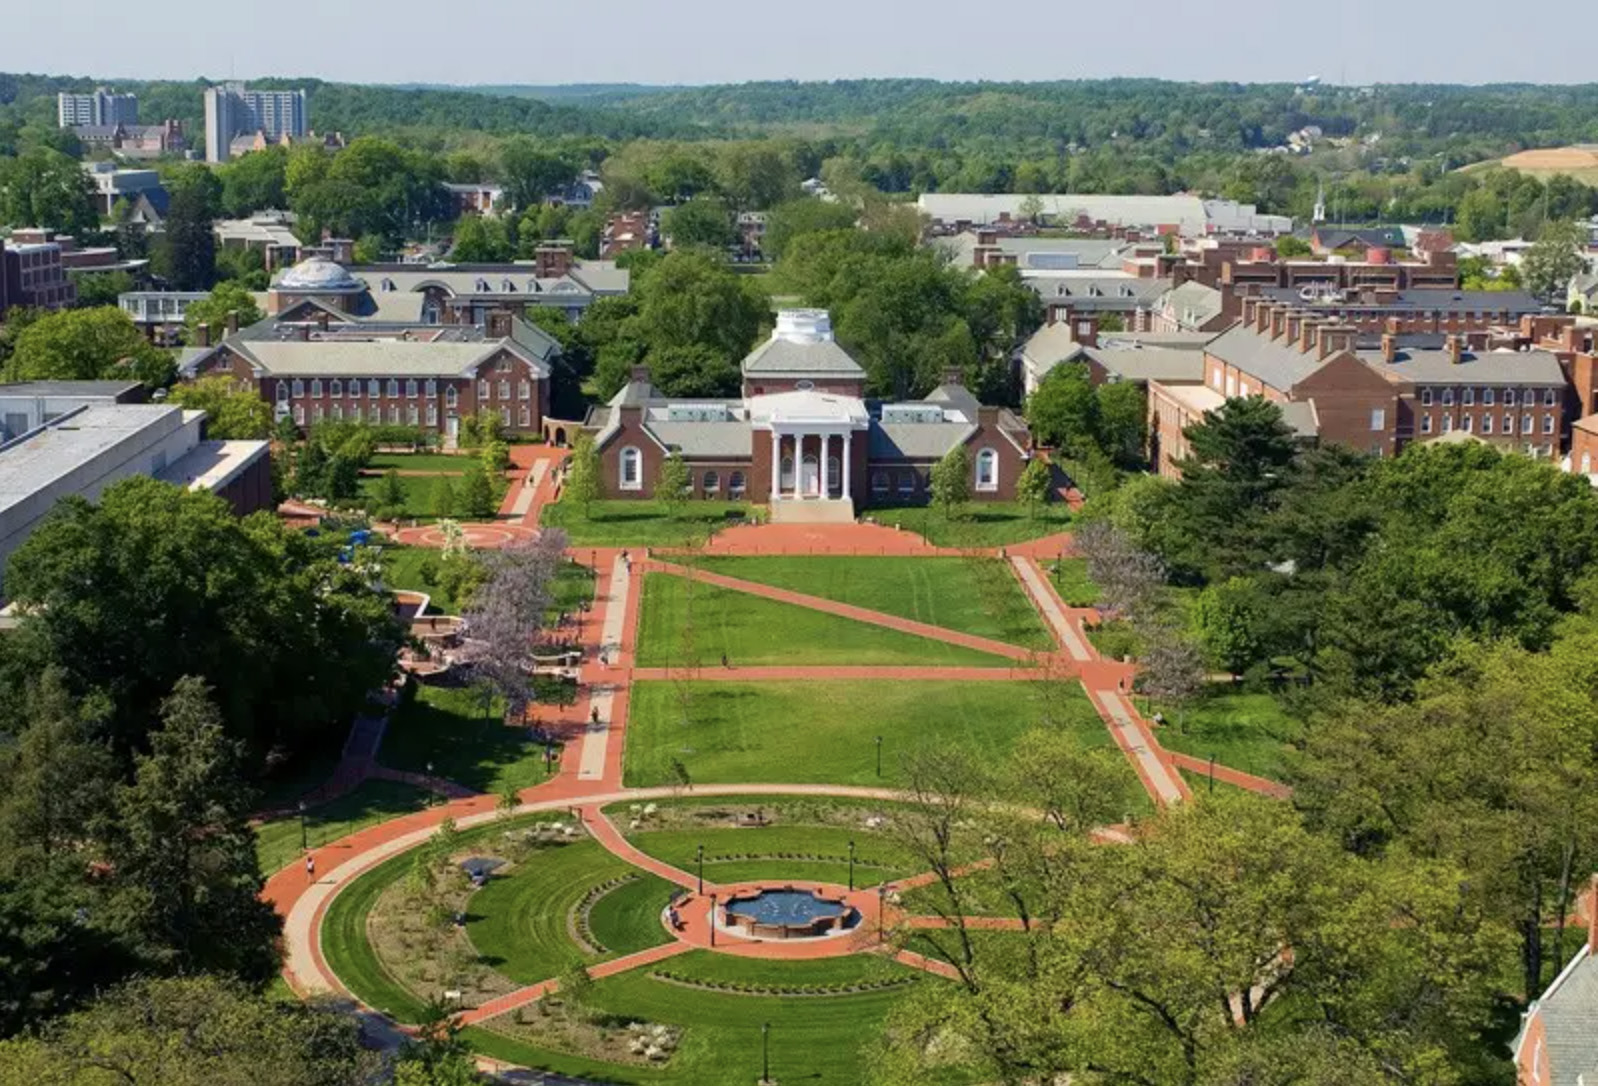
x=604, y=684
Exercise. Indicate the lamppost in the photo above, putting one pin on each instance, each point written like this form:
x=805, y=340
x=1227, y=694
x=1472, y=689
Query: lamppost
x=1212, y=774
x=429, y=781
x=712, y=919
x=851, y=867
x=304, y=841
x=882, y=913
x=879, y=755
x=701, y=862
x=765, y=1052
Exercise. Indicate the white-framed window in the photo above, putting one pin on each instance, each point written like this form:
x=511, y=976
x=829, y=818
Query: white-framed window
x=1448, y=424
x=504, y=389
x=393, y=388
x=1215, y=378
x=504, y=415
x=1425, y=424
x=1448, y=397
x=411, y=388
x=907, y=482
x=1509, y=397
x=482, y=391
x=373, y=388
x=1425, y=397
x=632, y=469
x=879, y=482
x=1550, y=397
x=393, y=413
x=525, y=415
x=1488, y=396
x=316, y=412
x=524, y=390
x=1525, y=423
x=1548, y=424
x=299, y=388
x=988, y=470
x=451, y=396
x=1231, y=385
x=374, y=413
x=1467, y=397
x=1509, y=423
x=1528, y=398
x=335, y=388
x=1487, y=422
x=1242, y=388
x=711, y=482
x=1378, y=418
x=299, y=415
x=735, y=484
x=432, y=387
x=338, y=412
x=1467, y=423
x=432, y=414
x=413, y=414
x=282, y=392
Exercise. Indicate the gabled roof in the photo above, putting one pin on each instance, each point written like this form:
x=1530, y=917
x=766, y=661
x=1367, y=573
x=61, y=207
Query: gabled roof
x=1537, y=368
x=1192, y=303
x=1569, y=1014
x=1275, y=362
x=781, y=357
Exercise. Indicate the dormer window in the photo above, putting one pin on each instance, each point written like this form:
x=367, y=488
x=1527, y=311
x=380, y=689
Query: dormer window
x=507, y=286
x=387, y=286
x=482, y=286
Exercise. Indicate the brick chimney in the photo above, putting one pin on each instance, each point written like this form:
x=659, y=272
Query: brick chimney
x=1335, y=339
x=1262, y=316
x=953, y=376
x=552, y=259
x=1309, y=334
x=202, y=334
x=496, y=324
x=1278, y=321
x=1456, y=348
x=1250, y=307
x=1389, y=347
x=640, y=374
x=1292, y=322
x=1085, y=329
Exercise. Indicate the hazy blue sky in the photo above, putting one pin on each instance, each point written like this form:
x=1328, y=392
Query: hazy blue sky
x=714, y=41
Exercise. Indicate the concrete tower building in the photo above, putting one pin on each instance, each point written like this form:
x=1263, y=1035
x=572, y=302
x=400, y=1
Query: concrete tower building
x=232, y=109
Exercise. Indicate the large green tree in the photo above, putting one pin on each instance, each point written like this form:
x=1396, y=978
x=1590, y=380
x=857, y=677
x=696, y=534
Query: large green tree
x=231, y=413
x=703, y=221
x=45, y=188
x=186, y=253
x=228, y=299
x=530, y=172
x=86, y=345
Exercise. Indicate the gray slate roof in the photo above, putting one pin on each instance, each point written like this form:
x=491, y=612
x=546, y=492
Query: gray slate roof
x=1421, y=299
x=1275, y=362
x=86, y=389
x=1192, y=303
x=705, y=439
x=1425, y=367
x=782, y=357
x=1569, y=1012
x=915, y=440
x=1150, y=363
x=1097, y=292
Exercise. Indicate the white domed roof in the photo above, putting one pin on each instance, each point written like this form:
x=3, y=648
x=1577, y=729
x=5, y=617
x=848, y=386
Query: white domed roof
x=317, y=274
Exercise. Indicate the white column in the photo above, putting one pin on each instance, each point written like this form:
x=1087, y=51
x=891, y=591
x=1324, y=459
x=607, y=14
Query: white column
x=798, y=466
x=826, y=451
x=776, y=465
x=847, y=493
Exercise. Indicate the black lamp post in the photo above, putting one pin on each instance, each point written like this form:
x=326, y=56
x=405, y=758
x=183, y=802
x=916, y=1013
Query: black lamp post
x=701, y=862
x=305, y=843
x=712, y=919
x=1212, y=774
x=851, y=867
x=882, y=913
x=429, y=781
x=879, y=755
x=765, y=1052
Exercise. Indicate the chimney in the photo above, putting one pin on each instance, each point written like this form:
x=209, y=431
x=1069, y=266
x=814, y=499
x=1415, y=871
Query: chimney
x=233, y=322
x=1389, y=347
x=552, y=259
x=953, y=376
x=1250, y=306
x=1292, y=322
x=640, y=374
x=1262, y=317
x=1309, y=334
x=302, y=332
x=1335, y=338
x=1278, y=321
x=202, y=334
x=1085, y=329
x=321, y=320
x=497, y=324
x=1455, y=349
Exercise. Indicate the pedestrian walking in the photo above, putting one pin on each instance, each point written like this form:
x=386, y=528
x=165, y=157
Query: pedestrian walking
x=724, y=660
x=310, y=868
x=594, y=716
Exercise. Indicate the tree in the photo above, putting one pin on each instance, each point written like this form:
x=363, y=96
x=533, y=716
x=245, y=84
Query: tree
x=530, y=174
x=506, y=616
x=1289, y=247
x=692, y=298
x=390, y=500
x=231, y=413
x=582, y=484
x=1064, y=411
x=1232, y=618
x=806, y=215
x=1128, y=577
x=1170, y=668
x=443, y=498
x=694, y=370
x=1123, y=422
x=158, y=582
x=102, y=288
x=1037, y=480
x=495, y=457
x=193, y=1031
x=186, y=254
x=254, y=182
x=45, y=188
x=475, y=499
x=228, y=301
x=480, y=239
x=1554, y=259
x=951, y=480
x=87, y=345
x=673, y=483
x=702, y=221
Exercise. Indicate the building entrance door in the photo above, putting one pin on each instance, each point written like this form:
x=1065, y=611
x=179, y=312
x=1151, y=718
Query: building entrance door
x=810, y=478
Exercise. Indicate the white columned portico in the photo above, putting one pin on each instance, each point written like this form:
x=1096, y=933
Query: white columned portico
x=826, y=454
x=847, y=493
x=776, y=466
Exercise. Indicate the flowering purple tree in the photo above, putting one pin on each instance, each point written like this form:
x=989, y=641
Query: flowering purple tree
x=508, y=612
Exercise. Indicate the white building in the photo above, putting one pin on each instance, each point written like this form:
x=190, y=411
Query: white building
x=1185, y=214
x=102, y=107
x=232, y=109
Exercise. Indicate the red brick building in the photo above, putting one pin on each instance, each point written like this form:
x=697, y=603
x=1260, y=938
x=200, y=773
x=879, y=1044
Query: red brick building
x=1558, y=1039
x=803, y=437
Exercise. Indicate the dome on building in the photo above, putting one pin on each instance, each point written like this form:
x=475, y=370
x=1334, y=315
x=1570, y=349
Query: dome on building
x=318, y=274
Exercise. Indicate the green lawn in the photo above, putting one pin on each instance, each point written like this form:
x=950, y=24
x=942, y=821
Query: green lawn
x=1250, y=732
x=804, y=732
x=813, y=1039
x=1070, y=578
x=640, y=523
x=351, y=956
x=981, y=524
x=518, y=922
x=441, y=462
x=754, y=631
x=805, y=853
x=446, y=726
x=573, y=585
x=419, y=492
x=277, y=843
x=402, y=570
x=627, y=919
x=975, y=595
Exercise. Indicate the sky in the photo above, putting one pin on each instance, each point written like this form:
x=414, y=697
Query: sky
x=728, y=41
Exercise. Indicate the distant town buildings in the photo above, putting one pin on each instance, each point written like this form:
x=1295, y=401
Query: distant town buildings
x=101, y=107
x=134, y=140
x=146, y=197
x=233, y=110
x=1185, y=215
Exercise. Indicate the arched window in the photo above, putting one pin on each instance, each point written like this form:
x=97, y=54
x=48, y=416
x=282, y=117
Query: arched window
x=879, y=482
x=412, y=415
x=451, y=397
x=336, y=388
x=410, y=387
x=987, y=470
x=526, y=416
x=834, y=476
x=282, y=392
x=735, y=484
x=504, y=415
x=907, y=482
x=785, y=473
x=712, y=482
x=632, y=469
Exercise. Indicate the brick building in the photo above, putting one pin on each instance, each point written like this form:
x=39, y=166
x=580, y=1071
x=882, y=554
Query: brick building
x=1558, y=1040
x=802, y=436
x=35, y=275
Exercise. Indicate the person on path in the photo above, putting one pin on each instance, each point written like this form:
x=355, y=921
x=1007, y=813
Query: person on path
x=594, y=716
x=310, y=868
x=724, y=660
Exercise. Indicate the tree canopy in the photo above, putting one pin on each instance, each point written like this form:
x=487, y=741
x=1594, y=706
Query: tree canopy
x=87, y=345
